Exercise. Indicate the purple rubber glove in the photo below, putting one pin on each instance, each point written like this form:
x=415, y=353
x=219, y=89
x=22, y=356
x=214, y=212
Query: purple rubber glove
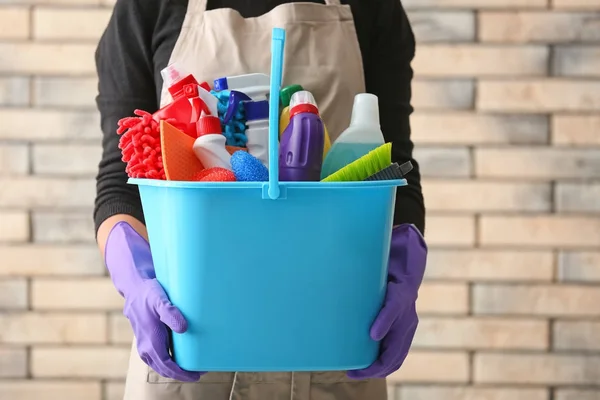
x=397, y=321
x=129, y=261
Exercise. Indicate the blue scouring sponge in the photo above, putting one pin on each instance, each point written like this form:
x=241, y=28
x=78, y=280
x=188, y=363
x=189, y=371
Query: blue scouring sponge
x=248, y=168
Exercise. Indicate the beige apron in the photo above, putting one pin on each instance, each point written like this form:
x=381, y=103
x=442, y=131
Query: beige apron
x=323, y=55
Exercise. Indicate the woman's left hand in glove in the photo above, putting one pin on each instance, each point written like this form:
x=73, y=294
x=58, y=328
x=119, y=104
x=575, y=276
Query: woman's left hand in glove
x=396, y=324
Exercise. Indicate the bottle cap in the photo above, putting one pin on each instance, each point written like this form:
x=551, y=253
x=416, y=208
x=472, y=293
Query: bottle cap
x=365, y=110
x=301, y=102
x=235, y=98
x=221, y=84
x=287, y=93
x=256, y=110
x=172, y=74
x=208, y=125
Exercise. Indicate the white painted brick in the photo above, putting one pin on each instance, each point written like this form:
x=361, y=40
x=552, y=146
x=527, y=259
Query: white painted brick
x=443, y=298
x=47, y=58
x=473, y=196
x=115, y=390
x=14, y=22
x=469, y=128
x=14, y=226
x=581, y=61
x=13, y=294
x=13, y=363
x=538, y=27
x=481, y=333
x=444, y=162
x=540, y=231
x=35, y=328
x=14, y=91
x=120, y=330
x=450, y=230
x=436, y=26
x=415, y=4
x=67, y=159
x=50, y=124
x=575, y=394
x=68, y=24
x=576, y=4
x=75, y=294
x=424, y=366
x=540, y=369
x=479, y=60
x=537, y=163
x=579, y=266
x=576, y=130
x=470, y=393
x=44, y=260
x=536, y=300
x=46, y=192
x=14, y=159
x=64, y=227
x=537, y=96
x=65, y=92
x=79, y=362
x=50, y=390
x=576, y=335
x=443, y=94
x=578, y=197
x=486, y=265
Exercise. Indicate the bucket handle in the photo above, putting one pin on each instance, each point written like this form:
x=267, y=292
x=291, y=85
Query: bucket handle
x=277, y=46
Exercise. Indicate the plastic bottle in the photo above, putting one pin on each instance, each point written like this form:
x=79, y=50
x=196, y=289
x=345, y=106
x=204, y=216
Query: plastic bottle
x=257, y=86
x=209, y=147
x=301, y=147
x=257, y=132
x=363, y=135
x=186, y=106
x=285, y=96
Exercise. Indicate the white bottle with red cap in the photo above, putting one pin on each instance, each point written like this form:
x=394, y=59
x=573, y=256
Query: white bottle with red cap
x=209, y=147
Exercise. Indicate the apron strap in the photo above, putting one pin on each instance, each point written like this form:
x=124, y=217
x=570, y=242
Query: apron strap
x=333, y=2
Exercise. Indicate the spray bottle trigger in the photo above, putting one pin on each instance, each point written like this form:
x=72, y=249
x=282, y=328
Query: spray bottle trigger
x=235, y=98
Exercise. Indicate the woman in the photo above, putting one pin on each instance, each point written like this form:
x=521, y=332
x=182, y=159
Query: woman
x=335, y=51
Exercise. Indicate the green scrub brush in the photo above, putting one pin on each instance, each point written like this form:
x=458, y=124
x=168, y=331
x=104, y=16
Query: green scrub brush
x=369, y=164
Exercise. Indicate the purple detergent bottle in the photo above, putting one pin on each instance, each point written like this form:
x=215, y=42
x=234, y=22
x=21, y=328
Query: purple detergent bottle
x=301, y=145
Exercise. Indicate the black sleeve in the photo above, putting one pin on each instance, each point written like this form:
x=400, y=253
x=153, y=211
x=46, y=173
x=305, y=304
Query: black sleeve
x=126, y=82
x=389, y=75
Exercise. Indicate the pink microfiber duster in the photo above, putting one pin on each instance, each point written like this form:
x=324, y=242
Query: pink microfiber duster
x=248, y=168
x=215, y=174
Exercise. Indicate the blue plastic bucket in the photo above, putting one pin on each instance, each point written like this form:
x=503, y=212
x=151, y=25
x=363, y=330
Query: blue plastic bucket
x=272, y=276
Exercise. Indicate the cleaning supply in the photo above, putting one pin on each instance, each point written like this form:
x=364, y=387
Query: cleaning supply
x=178, y=158
x=248, y=168
x=214, y=175
x=257, y=131
x=286, y=96
x=235, y=127
x=254, y=85
x=186, y=106
x=301, y=148
x=369, y=164
x=363, y=135
x=140, y=146
x=392, y=172
x=209, y=147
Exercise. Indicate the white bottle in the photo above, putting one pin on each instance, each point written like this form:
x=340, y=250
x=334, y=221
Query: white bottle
x=257, y=132
x=256, y=86
x=362, y=136
x=209, y=147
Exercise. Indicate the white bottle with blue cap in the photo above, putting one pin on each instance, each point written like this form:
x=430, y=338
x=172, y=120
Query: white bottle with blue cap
x=257, y=132
x=256, y=86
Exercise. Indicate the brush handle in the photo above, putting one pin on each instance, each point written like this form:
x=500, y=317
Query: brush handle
x=277, y=46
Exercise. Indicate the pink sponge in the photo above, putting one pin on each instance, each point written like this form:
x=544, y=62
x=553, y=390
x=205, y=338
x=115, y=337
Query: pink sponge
x=215, y=174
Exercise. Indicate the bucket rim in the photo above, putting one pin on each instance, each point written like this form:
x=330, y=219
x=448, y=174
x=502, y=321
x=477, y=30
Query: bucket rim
x=260, y=185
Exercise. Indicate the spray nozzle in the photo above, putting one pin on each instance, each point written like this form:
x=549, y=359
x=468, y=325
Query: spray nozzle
x=235, y=98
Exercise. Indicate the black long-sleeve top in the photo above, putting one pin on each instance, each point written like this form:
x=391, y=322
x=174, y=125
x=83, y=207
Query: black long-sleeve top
x=137, y=45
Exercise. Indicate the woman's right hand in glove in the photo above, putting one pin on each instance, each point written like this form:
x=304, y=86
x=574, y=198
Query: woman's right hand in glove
x=129, y=260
